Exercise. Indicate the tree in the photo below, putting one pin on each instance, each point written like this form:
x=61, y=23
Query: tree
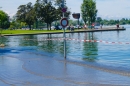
x=49, y=11
x=59, y=4
x=50, y=14
x=4, y=20
x=123, y=21
x=84, y=13
x=99, y=19
x=89, y=11
x=46, y=12
x=26, y=14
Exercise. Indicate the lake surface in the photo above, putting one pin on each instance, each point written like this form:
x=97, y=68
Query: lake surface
x=110, y=51
x=111, y=54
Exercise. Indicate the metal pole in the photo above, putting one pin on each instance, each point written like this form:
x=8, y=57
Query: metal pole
x=63, y=6
x=78, y=23
x=64, y=35
x=64, y=44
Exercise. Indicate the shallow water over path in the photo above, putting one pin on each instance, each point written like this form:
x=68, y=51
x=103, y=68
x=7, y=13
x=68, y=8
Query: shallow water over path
x=37, y=60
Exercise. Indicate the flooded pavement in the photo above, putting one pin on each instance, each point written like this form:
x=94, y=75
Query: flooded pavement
x=92, y=59
x=30, y=68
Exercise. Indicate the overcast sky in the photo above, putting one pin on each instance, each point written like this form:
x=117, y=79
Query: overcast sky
x=107, y=9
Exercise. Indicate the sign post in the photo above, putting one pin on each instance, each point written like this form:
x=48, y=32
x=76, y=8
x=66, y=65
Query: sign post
x=64, y=23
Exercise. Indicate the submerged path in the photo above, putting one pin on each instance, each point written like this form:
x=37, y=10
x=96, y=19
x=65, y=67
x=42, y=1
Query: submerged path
x=26, y=68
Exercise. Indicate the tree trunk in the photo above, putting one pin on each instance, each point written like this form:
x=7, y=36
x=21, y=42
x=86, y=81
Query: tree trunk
x=36, y=24
x=91, y=22
x=50, y=26
x=1, y=31
x=47, y=26
x=29, y=27
x=91, y=25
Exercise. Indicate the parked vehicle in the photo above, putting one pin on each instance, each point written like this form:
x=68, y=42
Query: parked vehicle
x=53, y=27
x=58, y=27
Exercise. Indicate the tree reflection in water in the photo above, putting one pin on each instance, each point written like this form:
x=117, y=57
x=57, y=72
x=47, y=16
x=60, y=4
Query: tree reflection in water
x=87, y=50
x=4, y=40
x=33, y=40
x=52, y=46
x=90, y=50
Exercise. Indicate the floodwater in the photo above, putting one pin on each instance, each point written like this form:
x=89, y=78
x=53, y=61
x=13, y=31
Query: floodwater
x=38, y=60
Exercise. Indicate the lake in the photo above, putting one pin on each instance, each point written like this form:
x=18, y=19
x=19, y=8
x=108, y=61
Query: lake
x=109, y=52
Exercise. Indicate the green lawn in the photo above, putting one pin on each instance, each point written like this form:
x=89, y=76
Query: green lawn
x=18, y=31
x=7, y=32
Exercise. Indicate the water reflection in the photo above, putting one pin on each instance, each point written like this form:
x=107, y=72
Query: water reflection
x=90, y=50
x=33, y=41
x=4, y=40
x=51, y=45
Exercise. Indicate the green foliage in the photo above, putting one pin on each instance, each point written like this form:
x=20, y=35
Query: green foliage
x=16, y=24
x=123, y=21
x=89, y=11
x=4, y=20
x=48, y=13
x=60, y=6
x=59, y=3
x=26, y=14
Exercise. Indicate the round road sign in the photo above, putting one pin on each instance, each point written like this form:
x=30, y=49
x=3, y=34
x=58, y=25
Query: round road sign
x=64, y=22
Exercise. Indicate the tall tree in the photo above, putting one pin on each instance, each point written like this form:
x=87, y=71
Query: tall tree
x=4, y=20
x=26, y=14
x=46, y=12
x=49, y=11
x=50, y=14
x=89, y=11
x=84, y=14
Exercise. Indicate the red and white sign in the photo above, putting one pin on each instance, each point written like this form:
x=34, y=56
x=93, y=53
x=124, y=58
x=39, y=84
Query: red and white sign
x=64, y=22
